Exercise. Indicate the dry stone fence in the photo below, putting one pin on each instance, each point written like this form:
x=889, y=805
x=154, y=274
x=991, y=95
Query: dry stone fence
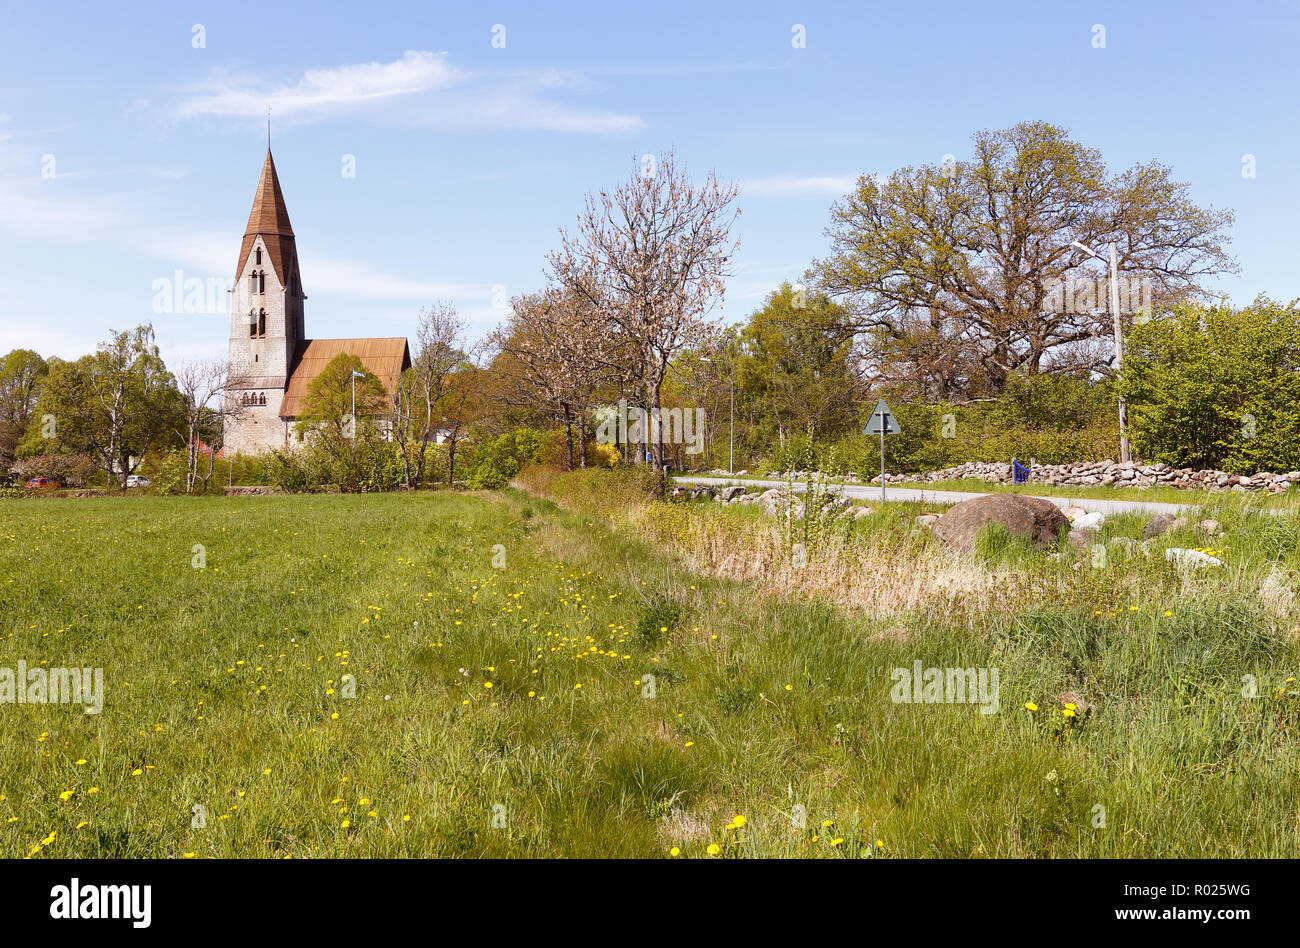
x=1089, y=474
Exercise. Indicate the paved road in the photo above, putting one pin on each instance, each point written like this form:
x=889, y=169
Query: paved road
x=872, y=492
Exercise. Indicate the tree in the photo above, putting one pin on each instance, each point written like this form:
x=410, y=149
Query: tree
x=114, y=405
x=463, y=404
x=1217, y=388
x=796, y=364
x=339, y=440
x=202, y=385
x=22, y=373
x=554, y=347
x=651, y=258
x=426, y=385
x=954, y=272
x=66, y=469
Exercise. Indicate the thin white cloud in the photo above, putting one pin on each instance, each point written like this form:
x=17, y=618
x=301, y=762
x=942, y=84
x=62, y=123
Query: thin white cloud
x=421, y=88
x=321, y=90
x=796, y=186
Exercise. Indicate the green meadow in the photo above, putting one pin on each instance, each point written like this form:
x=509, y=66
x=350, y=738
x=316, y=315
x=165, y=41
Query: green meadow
x=497, y=674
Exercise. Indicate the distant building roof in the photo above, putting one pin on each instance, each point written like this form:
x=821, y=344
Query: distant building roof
x=385, y=358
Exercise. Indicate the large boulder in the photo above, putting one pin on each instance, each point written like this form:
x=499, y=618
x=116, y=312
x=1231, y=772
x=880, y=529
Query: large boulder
x=1028, y=517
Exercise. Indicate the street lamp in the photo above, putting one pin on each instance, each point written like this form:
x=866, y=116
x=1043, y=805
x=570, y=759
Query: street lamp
x=731, y=450
x=355, y=375
x=1124, y=455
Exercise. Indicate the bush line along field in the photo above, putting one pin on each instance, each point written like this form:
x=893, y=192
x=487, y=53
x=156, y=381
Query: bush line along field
x=508, y=711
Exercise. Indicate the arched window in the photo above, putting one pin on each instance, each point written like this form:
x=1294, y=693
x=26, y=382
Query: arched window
x=261, y=324
x=261, y=398
x=261, y=281
x=252, y=325
x=259, y=256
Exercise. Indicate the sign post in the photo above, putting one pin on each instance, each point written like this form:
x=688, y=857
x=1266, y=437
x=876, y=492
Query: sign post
x=882, y=423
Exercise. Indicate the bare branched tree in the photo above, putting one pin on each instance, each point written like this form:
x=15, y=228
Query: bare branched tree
x=425, y=388
x=651, y=258
x=204, y=385
x=554, y=346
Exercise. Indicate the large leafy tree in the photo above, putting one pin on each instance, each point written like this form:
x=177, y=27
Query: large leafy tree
x=1217, y=388
x=22, y=373
x=342, y=444
x=949, y=269
x=115, y=405
x=796, y=364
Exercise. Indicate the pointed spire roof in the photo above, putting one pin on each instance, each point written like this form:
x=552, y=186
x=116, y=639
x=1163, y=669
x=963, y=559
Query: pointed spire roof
x=269, y=215
x=269, y=219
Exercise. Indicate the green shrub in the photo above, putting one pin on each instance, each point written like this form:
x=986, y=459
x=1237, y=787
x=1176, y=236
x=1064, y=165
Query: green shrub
x=289, y=471
x=170, y=476
x=1217, y=388
x=493, y=462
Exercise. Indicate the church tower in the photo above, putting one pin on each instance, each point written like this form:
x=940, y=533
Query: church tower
x=266, y=321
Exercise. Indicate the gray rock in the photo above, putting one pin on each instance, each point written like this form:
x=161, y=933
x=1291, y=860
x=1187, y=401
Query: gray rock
x=1038, y=520
x=1081, y=538
x=1162, y=523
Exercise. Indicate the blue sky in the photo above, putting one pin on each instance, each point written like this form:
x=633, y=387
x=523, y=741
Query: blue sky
x=469, y=158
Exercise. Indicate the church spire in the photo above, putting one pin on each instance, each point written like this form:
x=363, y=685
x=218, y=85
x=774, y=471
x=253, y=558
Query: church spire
x=269, y=215
x=269, y=219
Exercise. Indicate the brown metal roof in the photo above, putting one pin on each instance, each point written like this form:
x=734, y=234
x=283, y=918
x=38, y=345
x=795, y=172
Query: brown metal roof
x=270, y=220
x=385, y=358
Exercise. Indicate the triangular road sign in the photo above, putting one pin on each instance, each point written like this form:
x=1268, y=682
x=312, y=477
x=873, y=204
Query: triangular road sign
x=882, y=420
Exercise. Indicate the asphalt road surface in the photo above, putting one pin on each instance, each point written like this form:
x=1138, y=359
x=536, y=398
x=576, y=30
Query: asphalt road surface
x=872, y=492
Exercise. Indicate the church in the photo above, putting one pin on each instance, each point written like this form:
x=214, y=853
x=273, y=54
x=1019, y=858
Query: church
x=272, y=362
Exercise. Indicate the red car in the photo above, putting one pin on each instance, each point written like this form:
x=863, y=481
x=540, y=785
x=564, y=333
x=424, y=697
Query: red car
x=42, y=482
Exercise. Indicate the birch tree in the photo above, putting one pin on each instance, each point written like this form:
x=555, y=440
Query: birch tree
x=203, y=385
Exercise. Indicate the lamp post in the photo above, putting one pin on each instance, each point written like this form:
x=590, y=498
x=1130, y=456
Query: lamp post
x=731, y=448
x=355, y=376
x=1124, y=455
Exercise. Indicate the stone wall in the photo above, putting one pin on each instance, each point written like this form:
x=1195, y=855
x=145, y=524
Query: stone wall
x=1094, y=473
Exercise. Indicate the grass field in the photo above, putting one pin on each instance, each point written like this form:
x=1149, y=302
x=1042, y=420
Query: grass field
x=507, y=710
